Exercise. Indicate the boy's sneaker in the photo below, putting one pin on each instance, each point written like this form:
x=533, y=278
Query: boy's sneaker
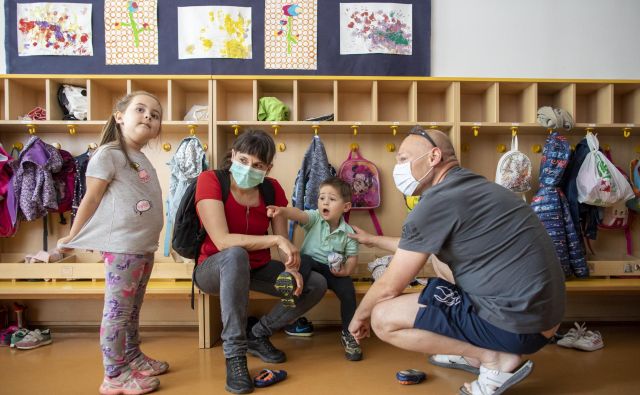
x=128, y=382
x=301, y=327
x=352, y=349
x=147, y=366
x=34, y=339
x=18, y=336
x=590, y=341
x=286, y=286
x=262, y=348
x=572, y=336
x=5, y=335
x=238, y=379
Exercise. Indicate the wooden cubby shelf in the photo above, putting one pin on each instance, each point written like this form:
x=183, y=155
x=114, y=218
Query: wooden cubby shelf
x=374, y=106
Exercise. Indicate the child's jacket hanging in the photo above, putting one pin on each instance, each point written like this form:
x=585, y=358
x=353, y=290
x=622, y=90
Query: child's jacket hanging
x=550, y=204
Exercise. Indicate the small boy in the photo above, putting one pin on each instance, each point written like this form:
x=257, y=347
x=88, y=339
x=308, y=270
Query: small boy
x=329, y=251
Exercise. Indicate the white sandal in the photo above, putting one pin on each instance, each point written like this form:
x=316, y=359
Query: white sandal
x=495, y=382
x=453, y=362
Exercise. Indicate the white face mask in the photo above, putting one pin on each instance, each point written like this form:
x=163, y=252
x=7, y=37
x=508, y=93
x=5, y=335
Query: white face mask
x=403, y=178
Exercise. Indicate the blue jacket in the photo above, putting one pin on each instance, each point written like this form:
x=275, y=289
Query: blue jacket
x=551, y=206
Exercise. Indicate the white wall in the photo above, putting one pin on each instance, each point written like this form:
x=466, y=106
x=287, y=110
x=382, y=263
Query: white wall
x=597, y=39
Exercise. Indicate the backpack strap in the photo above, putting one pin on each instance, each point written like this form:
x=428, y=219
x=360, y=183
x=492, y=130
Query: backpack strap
x=374, y=219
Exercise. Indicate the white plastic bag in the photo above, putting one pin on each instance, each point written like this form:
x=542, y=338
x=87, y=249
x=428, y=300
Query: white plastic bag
x=599, y=182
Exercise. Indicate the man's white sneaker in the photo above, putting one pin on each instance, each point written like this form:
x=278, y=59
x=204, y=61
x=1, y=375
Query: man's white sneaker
x=590, y=341
x=569, y=339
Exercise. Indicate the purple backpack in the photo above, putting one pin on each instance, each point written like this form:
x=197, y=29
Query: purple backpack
x=64, y=182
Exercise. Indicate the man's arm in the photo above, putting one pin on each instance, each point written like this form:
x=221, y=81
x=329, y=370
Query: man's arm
x=403, y=268
x=383, y=242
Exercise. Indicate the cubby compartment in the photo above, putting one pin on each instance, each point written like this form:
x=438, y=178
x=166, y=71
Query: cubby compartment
x=3, y=115
x=184, y=94
x=478, y=102
x=626, y=103
x=160, y=88
x=55, y=112
x=103, y=96
x=280, y=89
x=234, y=100
x=594, y=103
x=517, y=102
x=396, y=101
x=315, y=99
x=356, y=101
x=557, y=94
x=23, y=95
x=435, y=101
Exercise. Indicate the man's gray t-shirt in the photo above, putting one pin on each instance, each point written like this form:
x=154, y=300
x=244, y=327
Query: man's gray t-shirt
x=497, y=248
x=129, y=218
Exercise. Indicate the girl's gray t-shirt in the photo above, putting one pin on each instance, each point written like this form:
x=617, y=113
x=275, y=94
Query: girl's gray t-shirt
x=129, y=217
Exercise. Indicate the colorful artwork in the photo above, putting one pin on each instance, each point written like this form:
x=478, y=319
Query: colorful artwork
x=131, y=32
x=214, y=32
x=376, y=28
x=290, y=34
x=54, y=29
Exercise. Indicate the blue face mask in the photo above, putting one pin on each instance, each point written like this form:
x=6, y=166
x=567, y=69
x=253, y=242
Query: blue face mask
x=246, y=176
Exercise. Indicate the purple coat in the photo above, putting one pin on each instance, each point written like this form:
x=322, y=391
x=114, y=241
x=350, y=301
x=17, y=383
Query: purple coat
x=33, y=185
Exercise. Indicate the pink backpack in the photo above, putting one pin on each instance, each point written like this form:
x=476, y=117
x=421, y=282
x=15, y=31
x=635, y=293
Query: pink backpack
x=7, y=228
x=364, y=179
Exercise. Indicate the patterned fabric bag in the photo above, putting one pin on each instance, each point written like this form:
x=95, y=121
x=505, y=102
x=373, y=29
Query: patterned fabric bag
x=634, y=171
x=514, y=169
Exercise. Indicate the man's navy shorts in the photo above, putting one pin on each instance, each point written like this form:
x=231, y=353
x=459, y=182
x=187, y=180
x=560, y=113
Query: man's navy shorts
x=450, y=313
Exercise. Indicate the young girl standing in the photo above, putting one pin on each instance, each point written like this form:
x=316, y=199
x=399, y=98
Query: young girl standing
x=121, y=216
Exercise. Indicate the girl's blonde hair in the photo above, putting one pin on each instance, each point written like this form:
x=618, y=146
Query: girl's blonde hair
x=111, y=131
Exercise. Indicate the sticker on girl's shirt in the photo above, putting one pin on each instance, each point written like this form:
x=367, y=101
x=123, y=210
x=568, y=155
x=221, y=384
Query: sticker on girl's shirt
x=142, y=206
x=143, y=175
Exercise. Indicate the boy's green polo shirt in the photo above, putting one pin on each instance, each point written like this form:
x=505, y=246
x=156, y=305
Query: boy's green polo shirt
x=319, y=241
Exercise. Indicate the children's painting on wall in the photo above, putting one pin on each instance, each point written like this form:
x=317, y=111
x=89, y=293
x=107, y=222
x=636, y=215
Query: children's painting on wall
x=214, y=32
x=131, y=32
x=54, y=29
x=384, y=28
x=290, y=34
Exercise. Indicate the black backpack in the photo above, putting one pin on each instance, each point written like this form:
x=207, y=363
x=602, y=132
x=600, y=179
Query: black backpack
x=188, y=234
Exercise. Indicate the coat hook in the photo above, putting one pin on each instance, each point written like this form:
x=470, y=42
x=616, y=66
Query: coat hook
x=354, y=147
x=626, y=132
x=92, y=146
x=572, y=147
x=549, y=130
x=637, y=149
x=192, y=129
x=72, y=129
x=514, y=131
x=282, y=147
x=166, y=147
x=355, y=129
x=536, y=148
x=394, y=130
x=275, y=129
x=475, y=130
x=57, y=145
x=18, y=145
x=501, y=148
x=315, y=129
x=31, y=129
x=390, y=147
x=589, y=130
x=433, y=126
x=235, y=129
x=205, y=146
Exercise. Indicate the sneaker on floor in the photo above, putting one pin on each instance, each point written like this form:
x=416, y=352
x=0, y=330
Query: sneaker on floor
x=301, y=327
x=18, y=336
x=262, y=348
x=5, y=335
x=148, y=366
x=590, y=341
x=34, y=339
x=572, y=336
x=352, y=349
x=286, y=286
x=128, y=382
x=238, y=379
